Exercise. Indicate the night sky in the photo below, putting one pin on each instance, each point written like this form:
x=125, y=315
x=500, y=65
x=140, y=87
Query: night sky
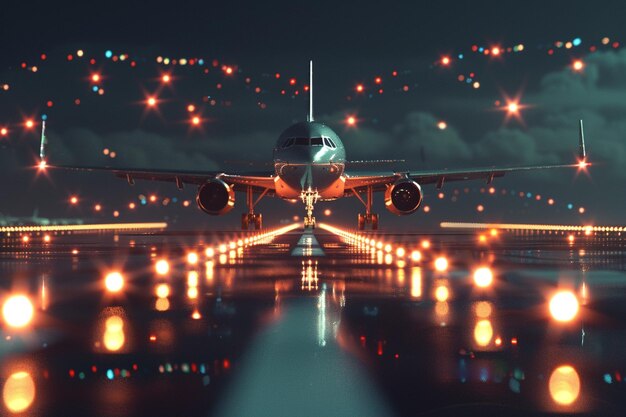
x=241, y=69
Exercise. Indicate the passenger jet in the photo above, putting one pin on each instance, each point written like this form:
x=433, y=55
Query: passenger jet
x=310, y=165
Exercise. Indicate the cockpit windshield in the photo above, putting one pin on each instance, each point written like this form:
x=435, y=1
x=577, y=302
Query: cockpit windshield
x=323, y=141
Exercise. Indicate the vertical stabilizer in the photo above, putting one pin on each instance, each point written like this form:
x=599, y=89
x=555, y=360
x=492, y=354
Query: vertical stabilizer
x=310, y=91
x=582, y=152
x=42, y=147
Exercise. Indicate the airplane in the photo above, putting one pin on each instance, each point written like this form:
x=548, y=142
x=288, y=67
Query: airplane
x=309, y=164
x=6, y=220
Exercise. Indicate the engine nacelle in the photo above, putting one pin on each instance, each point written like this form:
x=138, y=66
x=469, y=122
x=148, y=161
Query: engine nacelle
x=403, y=197
x=215, y=197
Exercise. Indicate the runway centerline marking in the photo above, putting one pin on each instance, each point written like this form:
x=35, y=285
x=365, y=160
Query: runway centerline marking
x=308, y=245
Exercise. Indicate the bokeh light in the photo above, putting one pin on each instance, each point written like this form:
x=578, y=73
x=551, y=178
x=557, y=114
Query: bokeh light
x=114, y=282
x=18, y=311
x=483, y=277
x=564, y=385
x=18, y=392
x=564, y=306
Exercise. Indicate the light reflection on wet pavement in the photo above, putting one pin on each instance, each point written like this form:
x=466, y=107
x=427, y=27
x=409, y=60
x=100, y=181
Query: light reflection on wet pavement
x=301, y=323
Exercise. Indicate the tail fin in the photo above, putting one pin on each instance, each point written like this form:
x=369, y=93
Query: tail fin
x=310, y=118
x=582, y=152
x=44, y=141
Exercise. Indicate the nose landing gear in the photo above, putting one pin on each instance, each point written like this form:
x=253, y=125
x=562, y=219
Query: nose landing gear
x=309, y=198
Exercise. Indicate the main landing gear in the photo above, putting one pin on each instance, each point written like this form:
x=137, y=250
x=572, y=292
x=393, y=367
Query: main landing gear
x=251, y=218
x=369, y=217
x=309, y=198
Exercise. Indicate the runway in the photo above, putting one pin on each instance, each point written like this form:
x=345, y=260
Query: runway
x=301, y=323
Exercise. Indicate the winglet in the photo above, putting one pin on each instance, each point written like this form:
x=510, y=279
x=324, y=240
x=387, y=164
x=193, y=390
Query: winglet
x=44, y=141
x=310, y=91
x=582, y=152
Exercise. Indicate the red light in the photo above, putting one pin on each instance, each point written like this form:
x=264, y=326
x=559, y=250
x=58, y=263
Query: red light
x=277, y=75
x=73, y=200
x=495, y=51
x=95, y=78
x=29, y=123
x=359, y=88
x=379, y=80
x=228, y=70
x=445, y=61
x=292, y=81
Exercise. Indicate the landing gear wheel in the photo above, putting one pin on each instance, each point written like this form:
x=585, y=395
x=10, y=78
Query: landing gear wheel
x=258, y=221
x=361, y=221
x=245, y=222
x=374, y=221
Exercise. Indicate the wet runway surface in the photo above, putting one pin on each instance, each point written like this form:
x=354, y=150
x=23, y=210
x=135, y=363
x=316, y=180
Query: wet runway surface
x=312, y=323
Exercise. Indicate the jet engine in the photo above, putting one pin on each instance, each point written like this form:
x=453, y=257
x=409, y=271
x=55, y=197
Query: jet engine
x=403, y=197
x=215, y=197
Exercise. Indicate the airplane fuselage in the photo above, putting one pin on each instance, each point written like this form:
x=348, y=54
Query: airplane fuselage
x=309, y=156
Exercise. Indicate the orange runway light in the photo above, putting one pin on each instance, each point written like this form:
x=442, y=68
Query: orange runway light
x=166, y=78
x=151, y=101
x=29, y=123
x=578, y=65
x=114, y=282
x=162, y=267
x=73, y=200
x=18, y=311
x=564, y=306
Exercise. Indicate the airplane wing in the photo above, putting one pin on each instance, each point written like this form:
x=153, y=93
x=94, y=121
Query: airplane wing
x=262, y=180
x=380, y=180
